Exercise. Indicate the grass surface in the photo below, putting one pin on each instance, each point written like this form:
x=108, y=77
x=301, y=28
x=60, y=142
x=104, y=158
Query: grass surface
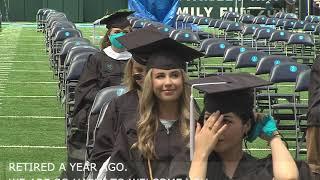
x=23, y=60
x=34, y=121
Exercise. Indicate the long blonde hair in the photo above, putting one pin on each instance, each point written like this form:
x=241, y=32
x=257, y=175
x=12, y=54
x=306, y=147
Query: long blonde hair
x=149, y=117
x=128, y=80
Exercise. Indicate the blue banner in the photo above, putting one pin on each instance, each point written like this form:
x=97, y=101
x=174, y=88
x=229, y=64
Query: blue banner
x=155, y=10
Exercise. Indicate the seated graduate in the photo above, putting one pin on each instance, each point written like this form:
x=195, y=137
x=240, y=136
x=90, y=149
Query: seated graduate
x=148, y=146
x=218, y=152
x=125, y=107
x=313, y=120
x=103, y=69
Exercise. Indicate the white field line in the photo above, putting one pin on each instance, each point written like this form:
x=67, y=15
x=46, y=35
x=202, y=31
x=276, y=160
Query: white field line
x=208, y=65
x=49, y=82
x=33, y=117
x=9, y=46
x=268, y=149
x=286, y=85
x=23, y=54
x=5, y=63
x=26, y=51
x=28, y=96
x=39, y=36
x=23, y=62
x=13, y=70
x=22, y=50
x=201, y=98
x=35, y=147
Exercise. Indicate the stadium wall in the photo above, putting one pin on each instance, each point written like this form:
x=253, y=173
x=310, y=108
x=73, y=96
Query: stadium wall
x=90, y=10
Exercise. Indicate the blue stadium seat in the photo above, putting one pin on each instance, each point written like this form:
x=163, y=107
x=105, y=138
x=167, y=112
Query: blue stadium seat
x=104, y=96
x=249, y=59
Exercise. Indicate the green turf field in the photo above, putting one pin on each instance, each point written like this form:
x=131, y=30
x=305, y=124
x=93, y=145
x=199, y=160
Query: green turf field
x=31, y=117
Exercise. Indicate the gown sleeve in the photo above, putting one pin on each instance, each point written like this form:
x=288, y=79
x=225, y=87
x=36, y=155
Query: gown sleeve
x=314, y=95
x=303, y=168
x=105, y=136
x=121, y=156
x=87, y=89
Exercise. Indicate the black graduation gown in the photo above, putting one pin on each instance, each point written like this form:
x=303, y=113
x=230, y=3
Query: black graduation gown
x=314, y=95
x=168, y=147
x=250, y=168
x=120, y=110
x=99, y=72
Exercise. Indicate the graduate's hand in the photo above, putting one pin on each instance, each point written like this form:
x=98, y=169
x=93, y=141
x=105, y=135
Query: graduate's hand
x=207, y=137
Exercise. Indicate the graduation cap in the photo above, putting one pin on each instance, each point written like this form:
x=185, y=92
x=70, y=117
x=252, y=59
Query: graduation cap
x=138, y=59
x=226, y=93
x=233, y=93
x=117, y=19
x=132, y=40
x=159, y=50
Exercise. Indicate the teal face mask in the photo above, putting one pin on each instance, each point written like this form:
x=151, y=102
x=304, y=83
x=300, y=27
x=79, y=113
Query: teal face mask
x=114, y=41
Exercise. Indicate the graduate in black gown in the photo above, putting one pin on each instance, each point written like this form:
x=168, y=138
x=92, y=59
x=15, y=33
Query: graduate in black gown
x=103, y=69
x=229, y=121
x=147, y=146
x=125, y=107
x=313, y=120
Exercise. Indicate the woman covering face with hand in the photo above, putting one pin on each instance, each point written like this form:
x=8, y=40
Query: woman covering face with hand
x=229, y=121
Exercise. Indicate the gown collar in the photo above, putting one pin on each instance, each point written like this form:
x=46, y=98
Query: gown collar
x=117, y=56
